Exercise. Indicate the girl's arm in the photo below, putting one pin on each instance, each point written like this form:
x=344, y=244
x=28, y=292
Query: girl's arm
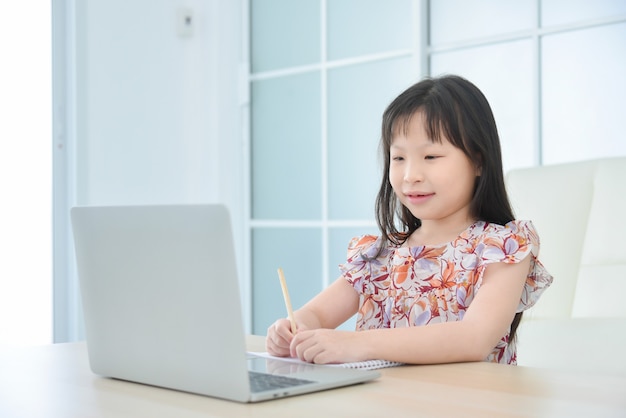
x=329, y=309
x=332, y=307
x=486, y=320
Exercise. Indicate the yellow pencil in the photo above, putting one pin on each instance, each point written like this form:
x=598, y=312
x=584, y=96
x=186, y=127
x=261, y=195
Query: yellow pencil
x=283, y=285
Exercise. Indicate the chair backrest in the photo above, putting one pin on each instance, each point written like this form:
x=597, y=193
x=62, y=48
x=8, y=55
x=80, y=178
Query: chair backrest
x=579, y=211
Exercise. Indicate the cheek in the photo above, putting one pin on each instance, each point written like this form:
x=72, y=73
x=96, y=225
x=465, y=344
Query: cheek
x=466, y=188
x=395, y=178
x=458, y=187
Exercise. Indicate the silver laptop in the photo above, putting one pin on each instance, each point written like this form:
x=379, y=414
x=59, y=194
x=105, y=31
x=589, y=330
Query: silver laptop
x=162, y=306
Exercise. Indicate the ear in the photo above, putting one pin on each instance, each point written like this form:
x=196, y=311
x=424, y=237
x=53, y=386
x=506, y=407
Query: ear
x=477, y=161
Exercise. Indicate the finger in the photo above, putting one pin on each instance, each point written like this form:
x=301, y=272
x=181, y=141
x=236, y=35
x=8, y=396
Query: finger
x=300, y=343
x=276, y=350
x=277, y=346
x=278, y=338
x=295, y=342
x=313, y=354
x=282, y=328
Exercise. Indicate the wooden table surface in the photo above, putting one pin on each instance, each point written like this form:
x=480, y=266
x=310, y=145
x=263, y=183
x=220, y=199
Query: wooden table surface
x=55, y=381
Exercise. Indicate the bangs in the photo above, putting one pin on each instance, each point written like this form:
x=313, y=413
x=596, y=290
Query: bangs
x=437, y=125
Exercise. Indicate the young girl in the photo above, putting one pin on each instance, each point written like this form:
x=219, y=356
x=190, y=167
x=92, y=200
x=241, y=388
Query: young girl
x=452, y=271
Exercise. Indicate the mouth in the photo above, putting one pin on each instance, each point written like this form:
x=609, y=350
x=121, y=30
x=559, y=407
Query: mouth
x=418, y=197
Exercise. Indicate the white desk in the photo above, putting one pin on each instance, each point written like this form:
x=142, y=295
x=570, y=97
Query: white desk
x=55, y=381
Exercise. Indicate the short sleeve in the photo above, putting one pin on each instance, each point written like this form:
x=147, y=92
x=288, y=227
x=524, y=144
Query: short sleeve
x=512, y=244
x=363, y=261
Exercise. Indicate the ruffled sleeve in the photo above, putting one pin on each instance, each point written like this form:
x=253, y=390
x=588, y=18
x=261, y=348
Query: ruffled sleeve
x=512, y=244
x=363, y=263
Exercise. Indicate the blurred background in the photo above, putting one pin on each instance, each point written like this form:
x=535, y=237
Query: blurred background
x=272, y=107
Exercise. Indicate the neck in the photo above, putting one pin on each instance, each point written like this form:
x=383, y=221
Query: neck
x=436, y=232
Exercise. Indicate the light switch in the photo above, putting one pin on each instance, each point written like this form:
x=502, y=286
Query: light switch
x=185, y=22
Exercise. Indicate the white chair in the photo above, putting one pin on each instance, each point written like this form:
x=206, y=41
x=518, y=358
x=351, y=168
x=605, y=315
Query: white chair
x=579, y=210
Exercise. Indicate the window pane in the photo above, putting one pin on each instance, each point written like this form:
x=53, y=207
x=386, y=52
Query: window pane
x=583, y=92
x=461, y=20
x=508, y=88
x=297, y=251
x=559, y=12
x=284, y=33
x=351, y=26
x=357, y=97
x=286, y=150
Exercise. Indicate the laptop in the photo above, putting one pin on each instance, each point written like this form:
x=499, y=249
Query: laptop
x=162, y=306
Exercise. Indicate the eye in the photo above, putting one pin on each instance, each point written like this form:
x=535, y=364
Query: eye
x=397, y=158
x=431, y=157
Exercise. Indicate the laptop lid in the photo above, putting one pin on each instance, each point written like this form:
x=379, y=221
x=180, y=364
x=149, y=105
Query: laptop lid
x=162, y=306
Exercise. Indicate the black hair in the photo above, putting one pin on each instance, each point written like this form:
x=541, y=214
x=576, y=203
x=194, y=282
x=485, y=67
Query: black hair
x=456, y=109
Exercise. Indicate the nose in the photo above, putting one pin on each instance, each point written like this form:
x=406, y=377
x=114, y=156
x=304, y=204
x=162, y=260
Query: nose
x=413, y=173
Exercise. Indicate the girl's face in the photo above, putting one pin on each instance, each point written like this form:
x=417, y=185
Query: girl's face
x=435, y=181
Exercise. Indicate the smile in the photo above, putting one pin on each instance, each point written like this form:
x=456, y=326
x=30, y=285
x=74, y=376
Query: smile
x=418, y=197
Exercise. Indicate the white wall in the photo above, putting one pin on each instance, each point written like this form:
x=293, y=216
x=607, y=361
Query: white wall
x=154, y=108
x=157, y=105
x=25, y=171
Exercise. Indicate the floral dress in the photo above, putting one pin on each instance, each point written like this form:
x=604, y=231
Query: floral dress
x=412, y=286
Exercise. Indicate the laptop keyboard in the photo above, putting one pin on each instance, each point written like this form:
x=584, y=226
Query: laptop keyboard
x=260, y=382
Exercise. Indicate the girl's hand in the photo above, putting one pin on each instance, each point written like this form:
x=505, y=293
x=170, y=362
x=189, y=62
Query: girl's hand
x=279, y=337
x=323, y=346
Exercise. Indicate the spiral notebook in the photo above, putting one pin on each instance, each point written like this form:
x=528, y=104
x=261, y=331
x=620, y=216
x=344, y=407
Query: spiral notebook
x=364, y=365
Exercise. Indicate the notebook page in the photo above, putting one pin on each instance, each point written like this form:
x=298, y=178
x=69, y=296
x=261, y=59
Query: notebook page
x=365, y=365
